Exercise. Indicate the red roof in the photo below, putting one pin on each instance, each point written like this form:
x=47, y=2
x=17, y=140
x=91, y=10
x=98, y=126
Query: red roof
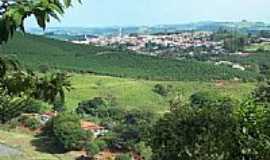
x=90, y=126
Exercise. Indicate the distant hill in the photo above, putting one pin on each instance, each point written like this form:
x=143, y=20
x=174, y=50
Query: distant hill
x=70, y=32
x=39, y=52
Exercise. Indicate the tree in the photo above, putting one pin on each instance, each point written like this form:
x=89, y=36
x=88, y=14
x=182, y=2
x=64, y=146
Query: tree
x=67, y=132
x=14, y=12
x=144, y=150
x=253, y=131
x=134, y=128
x=52, y=86
x=262, y=93
x=195, y=133
x=91, y=106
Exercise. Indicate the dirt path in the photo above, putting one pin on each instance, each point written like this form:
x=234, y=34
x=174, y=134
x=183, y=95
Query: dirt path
x=8, y=151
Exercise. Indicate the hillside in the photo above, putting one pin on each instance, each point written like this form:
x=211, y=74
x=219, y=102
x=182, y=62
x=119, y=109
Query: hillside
x=138, y=94
x=38, y=52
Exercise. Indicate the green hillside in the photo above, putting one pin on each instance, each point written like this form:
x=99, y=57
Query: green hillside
x=132, y=93
x=36, y=51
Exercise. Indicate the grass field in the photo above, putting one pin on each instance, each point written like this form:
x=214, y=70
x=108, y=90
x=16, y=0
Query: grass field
x=131, y=93
x=254, y=47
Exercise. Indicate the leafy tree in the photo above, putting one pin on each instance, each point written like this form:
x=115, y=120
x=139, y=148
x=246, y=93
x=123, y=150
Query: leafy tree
x=37, y=106
x=68, y=133
x=52, y=86
x=11, y=107
x=14, y=12
x=205, y=133
x=210, y=99
x=144, y=150
x=262, y=93
x=134, y=128
x=91, y=106
x=253, y=131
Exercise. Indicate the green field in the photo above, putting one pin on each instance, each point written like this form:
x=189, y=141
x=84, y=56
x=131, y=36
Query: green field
x=132, y=93
x=254, y=47
x=38, y=52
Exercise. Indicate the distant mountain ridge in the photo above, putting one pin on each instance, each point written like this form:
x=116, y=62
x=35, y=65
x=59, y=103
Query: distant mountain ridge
x=114, y=31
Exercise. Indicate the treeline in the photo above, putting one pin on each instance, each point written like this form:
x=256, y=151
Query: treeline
x=42, y=53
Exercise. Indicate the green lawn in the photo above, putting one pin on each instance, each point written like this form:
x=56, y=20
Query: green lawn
x=131, y=93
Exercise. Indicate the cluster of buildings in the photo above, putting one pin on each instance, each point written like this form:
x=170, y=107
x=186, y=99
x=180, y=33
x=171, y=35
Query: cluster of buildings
x=155, y=43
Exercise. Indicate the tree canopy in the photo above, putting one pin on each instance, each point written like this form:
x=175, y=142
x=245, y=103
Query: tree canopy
x=14, y=12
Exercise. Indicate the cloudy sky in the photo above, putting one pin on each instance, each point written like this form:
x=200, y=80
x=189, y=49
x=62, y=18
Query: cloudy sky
x=151, y=12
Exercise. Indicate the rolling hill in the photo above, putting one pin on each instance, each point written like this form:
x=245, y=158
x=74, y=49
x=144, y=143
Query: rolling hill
x=39, y=52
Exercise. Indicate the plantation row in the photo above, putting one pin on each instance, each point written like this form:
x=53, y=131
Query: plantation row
x=41, y=53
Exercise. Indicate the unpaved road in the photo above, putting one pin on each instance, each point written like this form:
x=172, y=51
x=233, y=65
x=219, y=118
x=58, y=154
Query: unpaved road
x=8, y=151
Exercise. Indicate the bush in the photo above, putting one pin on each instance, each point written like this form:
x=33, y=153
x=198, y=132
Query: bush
x=189, y=133
x=30, y=122
x=68, y=132
x=262, y=93
x=161, y=90
x=92, y=149
x=123, y=157
x=37, y=106
x=144, y=151
x=87, y=107
x=253, y=131
x=101, y=144
x=210, y=99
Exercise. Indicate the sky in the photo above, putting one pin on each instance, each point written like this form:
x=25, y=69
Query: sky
x=103, y=13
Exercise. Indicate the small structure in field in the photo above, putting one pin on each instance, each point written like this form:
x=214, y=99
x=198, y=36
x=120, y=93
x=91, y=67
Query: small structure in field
x=97, y=130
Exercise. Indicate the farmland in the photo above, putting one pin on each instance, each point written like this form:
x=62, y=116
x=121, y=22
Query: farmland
x=40, y=53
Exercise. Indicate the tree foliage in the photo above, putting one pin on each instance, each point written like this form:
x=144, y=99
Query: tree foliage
x=68, y=133
x=14, y=12
x=19, y=86
x=210, y=128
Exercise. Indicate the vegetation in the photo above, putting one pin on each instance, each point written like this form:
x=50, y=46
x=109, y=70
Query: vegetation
x=64, y=55
x=213, y=130
x=123, y=157
x=138, y=94
x=162, y=90
x=13, y=14
x=92, y=149
x=67, y=132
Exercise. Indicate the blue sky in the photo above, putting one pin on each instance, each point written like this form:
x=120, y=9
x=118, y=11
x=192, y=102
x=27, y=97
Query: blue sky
x=102, y=13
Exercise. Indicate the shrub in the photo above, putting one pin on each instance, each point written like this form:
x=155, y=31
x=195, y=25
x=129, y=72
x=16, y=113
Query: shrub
x=68, y=132
x=262, y=93
x=210, y=99
x=92, y=149
x=123, y=157
x=101, y=144
x=37, y=106
x=253, y=132
x=30, y=122
x=161, y=90
x=87, y=107
x=144, y=151
x=189, y=133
